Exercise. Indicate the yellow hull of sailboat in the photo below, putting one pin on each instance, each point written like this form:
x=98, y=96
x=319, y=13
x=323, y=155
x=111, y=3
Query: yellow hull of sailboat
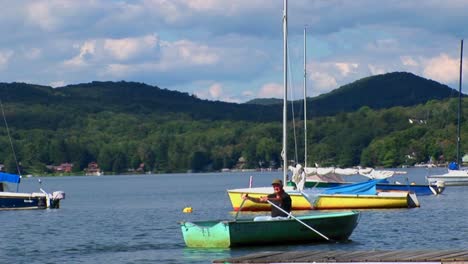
x=298, y=201
x=348, y=201
x=382, y=200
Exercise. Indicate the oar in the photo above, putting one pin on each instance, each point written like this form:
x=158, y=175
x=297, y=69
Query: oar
x=292, y=216
x=238, y=210
x=242, y=204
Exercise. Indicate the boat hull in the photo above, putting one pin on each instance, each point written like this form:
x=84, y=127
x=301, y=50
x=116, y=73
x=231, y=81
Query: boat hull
x=299, y=202
x=452, y=181
x=419, y=189
x=451, y=178
x=384, y=200
x=308, y=201
x=337, y=226
x=25, y=201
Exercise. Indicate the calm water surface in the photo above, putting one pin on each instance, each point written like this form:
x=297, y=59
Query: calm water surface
x=134, y=219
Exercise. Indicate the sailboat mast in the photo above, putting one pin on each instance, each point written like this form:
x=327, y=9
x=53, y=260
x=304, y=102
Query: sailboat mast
x=459, y=103
x=305, y=98
x=285, y=85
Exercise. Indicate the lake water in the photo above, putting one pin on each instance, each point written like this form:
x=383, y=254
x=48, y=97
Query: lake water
x=134, y=219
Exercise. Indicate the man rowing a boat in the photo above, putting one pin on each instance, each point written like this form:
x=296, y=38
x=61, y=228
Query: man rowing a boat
x=279, y=198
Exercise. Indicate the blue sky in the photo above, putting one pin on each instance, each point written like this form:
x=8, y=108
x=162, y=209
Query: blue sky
x=229, y=50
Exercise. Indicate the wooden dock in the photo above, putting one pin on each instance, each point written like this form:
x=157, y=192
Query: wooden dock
x=335, y=257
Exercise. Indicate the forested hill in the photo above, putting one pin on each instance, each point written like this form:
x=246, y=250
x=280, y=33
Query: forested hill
x=126, y=125
x=377, y=92
x=133, y=98
x=380, y=91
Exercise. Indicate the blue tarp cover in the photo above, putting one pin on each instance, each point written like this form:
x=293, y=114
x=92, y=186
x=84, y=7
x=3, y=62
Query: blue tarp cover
x=7, y=177
x=453, y=165
x=367, y=187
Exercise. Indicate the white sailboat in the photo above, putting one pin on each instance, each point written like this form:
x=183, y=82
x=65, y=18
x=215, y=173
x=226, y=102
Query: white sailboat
x=300, y=199
x=10, y=200
x=299, y=202
x=454, y=176
x=311, y=177
x=235, y=194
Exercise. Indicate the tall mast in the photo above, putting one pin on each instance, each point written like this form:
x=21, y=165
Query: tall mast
x=285, y=85
x=459, y=103
x=305, y=99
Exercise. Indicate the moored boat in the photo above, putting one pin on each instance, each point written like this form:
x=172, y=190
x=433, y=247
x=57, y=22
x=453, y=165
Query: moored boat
x=362, y=195
x=23, y=201
x=434, y=188
x=334, y=177
x=35, y=200
x=336, y=226
x=381, y=200
x=299, y=201
x=455, y=176
x=451, y=178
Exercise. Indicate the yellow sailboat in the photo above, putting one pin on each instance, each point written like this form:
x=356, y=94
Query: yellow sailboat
x=299, y=202
x=381, y=200
x=314, y=199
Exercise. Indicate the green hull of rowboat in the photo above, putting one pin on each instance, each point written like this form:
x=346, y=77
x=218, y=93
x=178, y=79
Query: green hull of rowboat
x=337, y=226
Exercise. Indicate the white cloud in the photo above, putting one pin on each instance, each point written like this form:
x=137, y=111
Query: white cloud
x=5, y=58
x=33, y=53
x=39, y=14
x=215, y=90
x=408, y=61
x=322, y=82
x=195, y=54
x=327, y=76
x=198, y=11
x=110, y=51
x=169, y=10
x=117, y=70
x=184, y=53
x=86, y=51
x=145, y=53
x=177, y=43
x=57, y=84
x=55, y=15
x=127, y=48
x=442, y=68
x=203, y=4
x=375, y=69
x=346, y=68
x=271, y=90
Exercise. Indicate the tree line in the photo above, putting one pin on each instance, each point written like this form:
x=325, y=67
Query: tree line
x=119, y=141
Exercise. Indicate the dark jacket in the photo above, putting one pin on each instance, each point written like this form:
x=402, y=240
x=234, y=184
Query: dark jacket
x=284, y=204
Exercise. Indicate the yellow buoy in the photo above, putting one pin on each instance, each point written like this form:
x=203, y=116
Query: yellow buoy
x=187, y=210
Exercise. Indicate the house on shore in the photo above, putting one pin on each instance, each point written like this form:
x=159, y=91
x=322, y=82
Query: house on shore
x=93, y=170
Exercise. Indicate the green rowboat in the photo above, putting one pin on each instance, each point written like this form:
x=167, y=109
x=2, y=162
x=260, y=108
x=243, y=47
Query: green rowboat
x=337, y=226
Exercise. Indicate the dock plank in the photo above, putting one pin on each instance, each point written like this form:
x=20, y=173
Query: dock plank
x=342, y=256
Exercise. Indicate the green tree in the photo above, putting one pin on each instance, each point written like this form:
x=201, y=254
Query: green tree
x=199, y=160
x=120, y=163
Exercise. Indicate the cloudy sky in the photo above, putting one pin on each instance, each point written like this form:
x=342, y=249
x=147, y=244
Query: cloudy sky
x=229, y=50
